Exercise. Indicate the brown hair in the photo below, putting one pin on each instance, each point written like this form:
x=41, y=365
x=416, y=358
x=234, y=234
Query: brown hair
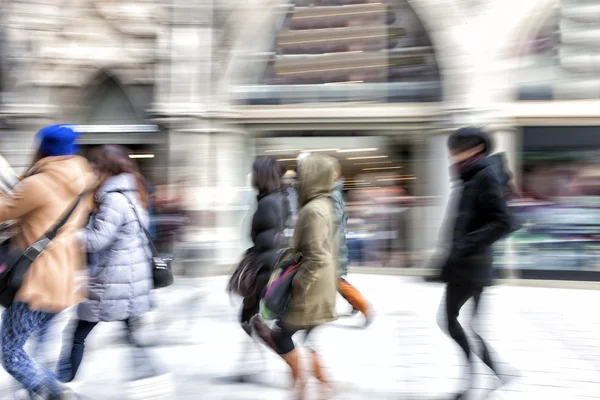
x=112, y=160
x=267, y=175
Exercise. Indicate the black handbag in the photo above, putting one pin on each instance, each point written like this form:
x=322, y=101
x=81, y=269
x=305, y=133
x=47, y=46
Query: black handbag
x=15, y=264
x=243, y=281
x=162, y=274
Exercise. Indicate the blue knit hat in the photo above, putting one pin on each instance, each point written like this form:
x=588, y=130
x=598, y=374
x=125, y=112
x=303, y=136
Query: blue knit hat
x=58, y=140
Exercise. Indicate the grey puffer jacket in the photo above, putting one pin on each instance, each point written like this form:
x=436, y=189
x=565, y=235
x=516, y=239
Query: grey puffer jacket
x=120, y=271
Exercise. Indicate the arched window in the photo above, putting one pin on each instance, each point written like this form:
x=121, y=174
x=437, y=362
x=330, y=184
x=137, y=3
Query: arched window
x=347, y=51
x=562, y=61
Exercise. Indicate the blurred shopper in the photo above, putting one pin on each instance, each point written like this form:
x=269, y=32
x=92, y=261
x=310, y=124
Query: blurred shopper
x=120, y=275
x=314, y=289
x=268, y=224
x=482, y=219
x=170, y=218
x=348, y=292
x=52, y=185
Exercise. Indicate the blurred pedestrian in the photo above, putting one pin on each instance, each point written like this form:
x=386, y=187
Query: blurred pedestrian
x=348, y=292
x=50, y=188
x=120, y=275
x=482, y=219
x=267, y=227
x=314, y=288
x=267, y=231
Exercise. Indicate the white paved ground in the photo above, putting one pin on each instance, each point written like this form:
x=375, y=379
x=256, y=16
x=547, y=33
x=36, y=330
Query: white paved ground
x=551, y=336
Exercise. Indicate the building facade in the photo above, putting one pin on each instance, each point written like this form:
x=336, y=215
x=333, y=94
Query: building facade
x=203, y=87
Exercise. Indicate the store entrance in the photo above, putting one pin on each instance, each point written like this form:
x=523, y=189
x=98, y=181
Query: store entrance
x=380, y=187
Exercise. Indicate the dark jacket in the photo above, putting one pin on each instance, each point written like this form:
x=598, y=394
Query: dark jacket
x=482, y=218
x=268, y=224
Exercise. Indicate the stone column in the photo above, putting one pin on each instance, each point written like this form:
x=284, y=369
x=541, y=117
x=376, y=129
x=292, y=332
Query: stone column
x=438, y=184
x=230, y=159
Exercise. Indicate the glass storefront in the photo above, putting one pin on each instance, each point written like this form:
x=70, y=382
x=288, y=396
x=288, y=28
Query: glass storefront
x=560, y=208
x=383, y=187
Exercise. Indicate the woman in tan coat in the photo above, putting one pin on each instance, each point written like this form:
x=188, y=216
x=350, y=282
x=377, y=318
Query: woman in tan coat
x=314, y=288
x=37, y=203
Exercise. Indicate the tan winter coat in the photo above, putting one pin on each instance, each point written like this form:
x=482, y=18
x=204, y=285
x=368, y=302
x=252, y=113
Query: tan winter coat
x=36, y=204
x=314, y=289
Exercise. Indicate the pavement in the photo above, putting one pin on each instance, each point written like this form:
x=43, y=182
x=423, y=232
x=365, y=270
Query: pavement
x=548, y=339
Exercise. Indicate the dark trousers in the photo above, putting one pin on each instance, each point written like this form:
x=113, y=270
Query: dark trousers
x=282, y=337
x=456, y=297
x=71, y=358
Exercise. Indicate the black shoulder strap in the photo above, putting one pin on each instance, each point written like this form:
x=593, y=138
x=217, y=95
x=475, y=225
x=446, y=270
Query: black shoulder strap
x=34, y=251
x=137, y=216
x=51, y=234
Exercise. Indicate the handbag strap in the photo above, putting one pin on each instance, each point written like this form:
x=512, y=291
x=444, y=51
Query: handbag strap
x=137, y=217
x=51, y=234
x=35, y=249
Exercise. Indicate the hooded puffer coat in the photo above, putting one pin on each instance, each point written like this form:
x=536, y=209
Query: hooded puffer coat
x=120, y=257
x=314, y=288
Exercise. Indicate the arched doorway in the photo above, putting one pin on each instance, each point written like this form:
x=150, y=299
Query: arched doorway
x=114, y=114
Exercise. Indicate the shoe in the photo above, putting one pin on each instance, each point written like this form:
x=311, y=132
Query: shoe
x=505, y=379
x=247, y=328
x=73, y=386
x=460, y=396
x=369, y=317
x=354, y=311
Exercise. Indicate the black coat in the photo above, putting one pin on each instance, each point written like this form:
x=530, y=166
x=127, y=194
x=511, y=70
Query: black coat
x=482, y=218
x=268, y=224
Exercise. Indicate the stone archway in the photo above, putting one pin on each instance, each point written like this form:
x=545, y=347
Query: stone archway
x=533, y=17
x=259, y=23
x=108, y=103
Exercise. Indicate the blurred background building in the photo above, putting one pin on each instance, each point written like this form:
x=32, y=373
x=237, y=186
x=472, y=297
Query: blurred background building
x=198, y=88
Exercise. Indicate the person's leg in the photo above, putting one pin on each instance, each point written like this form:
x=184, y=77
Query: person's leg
x=317, y=364
x=456, y=297
x=142, y=365
x=71, y=360
x=280, y=340
x=18, y=323
x=355, y=298
x=251, y=304
x=131, y=327
x=485, y=355
x=41, y=343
